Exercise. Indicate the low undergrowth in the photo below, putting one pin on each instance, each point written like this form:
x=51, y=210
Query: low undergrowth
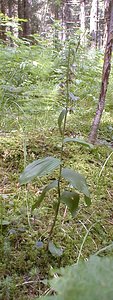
x=29, y=131
x=26, y=265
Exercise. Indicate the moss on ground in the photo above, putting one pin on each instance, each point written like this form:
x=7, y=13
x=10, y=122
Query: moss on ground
x=29, y=131
x=25, y=267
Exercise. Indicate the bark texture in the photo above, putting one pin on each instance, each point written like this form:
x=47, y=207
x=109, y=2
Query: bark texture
x=3, y=7
x=105, y=73
x=27, y=14
x=24, y=12
x=20, y=16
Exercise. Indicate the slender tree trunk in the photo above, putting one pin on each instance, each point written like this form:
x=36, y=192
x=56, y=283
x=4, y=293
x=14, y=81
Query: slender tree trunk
x=27, y=14
x=10, y=10
x=43, y=25
x=63, y=33
x=20, y=16
x=82, y=21
x=56, y=29
x=100, y=26
x=106, y=24
x=3, y=5
x=97, y=33
x=93, y=23
x=106, y=71
x=10, y=15
x=24, y=12
x=67, y=17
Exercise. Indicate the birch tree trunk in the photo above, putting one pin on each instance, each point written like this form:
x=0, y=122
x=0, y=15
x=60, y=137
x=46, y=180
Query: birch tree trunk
x=56, y=29
x=82, y=22
x=93, y=23
x=106, y=24
x=105, y=73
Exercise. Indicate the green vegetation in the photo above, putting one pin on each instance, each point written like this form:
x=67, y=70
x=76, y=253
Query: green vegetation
x=32, y=95
x=87, y=280
x=44, y=166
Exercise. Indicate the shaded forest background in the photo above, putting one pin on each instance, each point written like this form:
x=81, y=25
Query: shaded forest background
x=59, y=18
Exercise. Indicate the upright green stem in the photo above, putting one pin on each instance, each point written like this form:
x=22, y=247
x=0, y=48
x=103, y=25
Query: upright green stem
x=62, y=145
x=65, y=119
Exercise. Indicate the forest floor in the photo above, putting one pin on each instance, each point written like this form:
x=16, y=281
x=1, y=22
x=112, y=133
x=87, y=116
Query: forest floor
x=26, y=265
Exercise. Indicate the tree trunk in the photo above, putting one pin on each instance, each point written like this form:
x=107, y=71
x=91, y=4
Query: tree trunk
x=67, y=18
x=24, y=12
x=82, y=21
x=3, y=6
x=26, y=6
x=105, y=73
x=106, y=24
x=20, y=16
x=93, y=23
x=56, y=29
x=10, y=14
x=63, y=32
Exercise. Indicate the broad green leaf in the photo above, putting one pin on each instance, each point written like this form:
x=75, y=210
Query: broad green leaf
x=87, y=280
x=79, y=141
x=50, y=186
x=60, y=119
x=87, y=200
x=55, y=251
x=40, y=167
x=71, y=199
x=77, y=180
